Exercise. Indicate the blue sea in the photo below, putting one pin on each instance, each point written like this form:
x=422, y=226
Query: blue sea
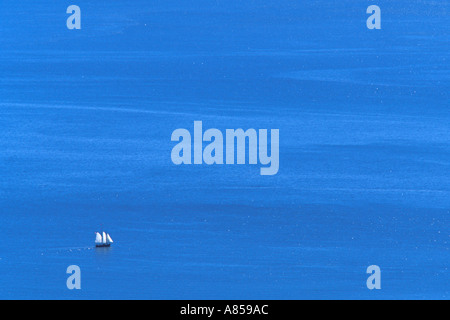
x=86, y=118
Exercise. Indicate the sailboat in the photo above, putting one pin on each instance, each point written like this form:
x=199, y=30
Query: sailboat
x=103, y=240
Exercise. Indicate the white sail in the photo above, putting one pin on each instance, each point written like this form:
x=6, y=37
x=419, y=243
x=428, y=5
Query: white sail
x=104, y=237
x=98, y=238
x=108, y=238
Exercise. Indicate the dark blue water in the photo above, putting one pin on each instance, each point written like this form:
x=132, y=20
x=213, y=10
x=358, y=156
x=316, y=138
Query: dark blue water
x=86, y=118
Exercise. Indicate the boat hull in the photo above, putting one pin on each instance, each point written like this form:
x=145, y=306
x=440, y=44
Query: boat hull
x=103, y=245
